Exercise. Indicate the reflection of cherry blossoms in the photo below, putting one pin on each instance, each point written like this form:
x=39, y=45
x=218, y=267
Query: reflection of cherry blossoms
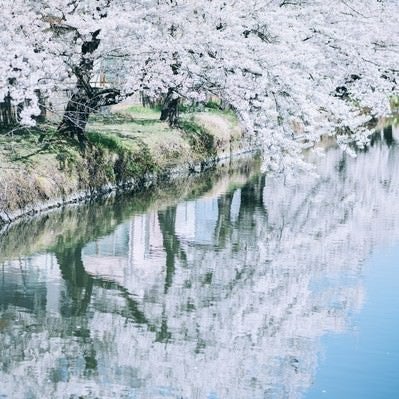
x=225, y=296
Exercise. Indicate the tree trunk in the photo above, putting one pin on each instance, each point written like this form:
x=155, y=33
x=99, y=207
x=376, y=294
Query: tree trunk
x=42, y=105
x=78, y=109
x=80, y=106
x=76, y=116
x=170, y=108
x=8, y=115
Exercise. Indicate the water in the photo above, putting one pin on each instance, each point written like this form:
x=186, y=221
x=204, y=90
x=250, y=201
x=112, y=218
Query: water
x=232, y=285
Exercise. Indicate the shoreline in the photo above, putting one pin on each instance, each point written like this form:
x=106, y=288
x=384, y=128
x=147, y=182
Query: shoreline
x=85, y=220
x=134, y=186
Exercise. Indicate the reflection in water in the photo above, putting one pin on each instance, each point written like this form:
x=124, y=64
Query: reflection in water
x=224, y=294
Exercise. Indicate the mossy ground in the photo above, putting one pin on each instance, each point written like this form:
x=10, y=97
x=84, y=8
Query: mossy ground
x=37, y=165
x=199, y=136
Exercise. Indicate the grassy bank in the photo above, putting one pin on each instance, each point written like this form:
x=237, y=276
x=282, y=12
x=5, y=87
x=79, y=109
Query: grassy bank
x=127, y=148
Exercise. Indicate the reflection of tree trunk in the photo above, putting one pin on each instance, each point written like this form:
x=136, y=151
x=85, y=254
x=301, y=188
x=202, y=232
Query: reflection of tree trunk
x=167, y=222
x=163, y=334
x=79, y=283
x=260, y=188
x=388, y=135
x=252, y=197
x=79, y=287
x=170, y=108
x=223, y=225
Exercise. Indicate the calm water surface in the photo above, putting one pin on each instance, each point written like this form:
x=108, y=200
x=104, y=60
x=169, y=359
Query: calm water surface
x=233, y=285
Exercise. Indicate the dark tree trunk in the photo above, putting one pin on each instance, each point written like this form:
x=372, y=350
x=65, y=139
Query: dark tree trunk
x=80, y=105
x=76, y=116
x=8, y=116
x=42, y=105
x=79, y=283
x=223, y=225
x=170, y=108
x=147, y=101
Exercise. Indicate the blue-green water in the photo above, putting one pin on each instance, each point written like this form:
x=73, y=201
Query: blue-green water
x=229, y=285
x=363, y=363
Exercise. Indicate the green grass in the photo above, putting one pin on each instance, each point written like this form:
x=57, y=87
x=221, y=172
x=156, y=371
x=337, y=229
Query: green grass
x=200, y=139
x=120, y=148
x=127, y=131
x=394, y=101
x=138, y=111
x=24, y=146
x=227, y=113
x=132, y=121
x=137, y=126
x=133, y=157
x=106, y=140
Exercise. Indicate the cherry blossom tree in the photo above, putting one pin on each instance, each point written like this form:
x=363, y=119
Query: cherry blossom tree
x=292, y=71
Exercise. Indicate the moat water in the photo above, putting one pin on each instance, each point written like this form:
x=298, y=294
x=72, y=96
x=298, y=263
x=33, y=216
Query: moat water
x=230, y=285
